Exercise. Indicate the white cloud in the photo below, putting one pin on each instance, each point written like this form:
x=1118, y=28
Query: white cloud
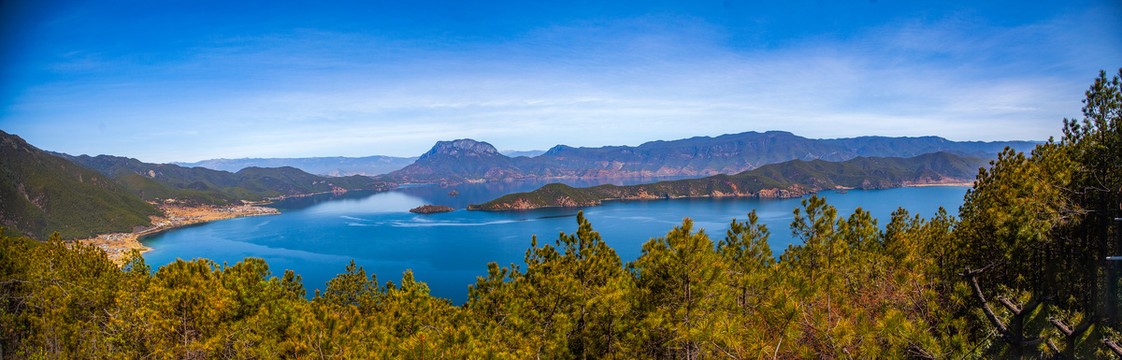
x=321, y=94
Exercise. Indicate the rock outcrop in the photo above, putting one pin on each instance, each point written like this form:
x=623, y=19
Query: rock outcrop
x=431, y=209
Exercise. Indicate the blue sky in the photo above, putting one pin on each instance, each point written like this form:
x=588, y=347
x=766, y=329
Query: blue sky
x=190, y=80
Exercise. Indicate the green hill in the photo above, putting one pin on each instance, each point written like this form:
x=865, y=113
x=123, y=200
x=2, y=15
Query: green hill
x=41, y=193
x=789, y=179
x=155, y=182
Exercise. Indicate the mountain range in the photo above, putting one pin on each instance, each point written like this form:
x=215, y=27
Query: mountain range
x=517, y=153
x=329, y=166
x=201, y=186
x=467, y=160
x=788, y=179
x=86, y=195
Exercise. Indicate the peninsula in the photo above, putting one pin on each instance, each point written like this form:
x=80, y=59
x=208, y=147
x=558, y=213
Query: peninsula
x=118, y=245
x=794, y=178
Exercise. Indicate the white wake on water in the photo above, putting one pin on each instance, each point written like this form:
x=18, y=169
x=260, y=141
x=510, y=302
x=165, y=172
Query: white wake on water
x=430, y=223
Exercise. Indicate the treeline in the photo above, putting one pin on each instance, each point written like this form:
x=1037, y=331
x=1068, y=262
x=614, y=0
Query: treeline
x=1021, y=272
x=850, y=289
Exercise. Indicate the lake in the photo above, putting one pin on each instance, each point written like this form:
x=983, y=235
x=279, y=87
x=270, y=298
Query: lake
x=318, y=236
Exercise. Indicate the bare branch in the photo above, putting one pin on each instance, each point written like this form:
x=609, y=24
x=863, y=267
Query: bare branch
x=973, y=277
x=969, y=272
x=919, y=352
x=1008, y=304
x=1067, y=331
x=1113, y=346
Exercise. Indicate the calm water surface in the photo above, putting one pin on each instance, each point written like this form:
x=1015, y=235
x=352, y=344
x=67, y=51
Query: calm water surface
x=318, y=236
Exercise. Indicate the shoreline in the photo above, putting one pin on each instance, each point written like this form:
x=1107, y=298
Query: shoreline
x=966, y=183
x=338, y=191
x=118, y=245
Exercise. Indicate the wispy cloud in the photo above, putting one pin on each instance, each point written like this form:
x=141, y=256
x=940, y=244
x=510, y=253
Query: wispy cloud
x=319, y=93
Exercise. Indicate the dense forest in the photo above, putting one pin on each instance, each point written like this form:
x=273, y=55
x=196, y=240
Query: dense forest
x=1021, y=271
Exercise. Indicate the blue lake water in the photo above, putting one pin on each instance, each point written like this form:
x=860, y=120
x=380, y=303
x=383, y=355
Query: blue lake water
x=318, y=236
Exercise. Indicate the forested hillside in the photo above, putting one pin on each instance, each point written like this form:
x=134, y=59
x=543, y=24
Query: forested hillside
x=794, y=178
x=198, y=185
x=82, y=196
x=1020, y=272
x=41, y=194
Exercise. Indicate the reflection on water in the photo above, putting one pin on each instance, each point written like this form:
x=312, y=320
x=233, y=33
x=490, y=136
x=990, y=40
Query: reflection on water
x=468, y=194
x=461, y=195
x=309, y=201
x=318, y=236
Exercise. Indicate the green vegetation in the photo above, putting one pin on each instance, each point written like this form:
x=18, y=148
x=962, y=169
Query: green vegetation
x=550, y=195
x=199, y=186
x=1020, y=273
x=845, y=291
x=82, y=196
x=790, y=179
x=431, y=209
x=41, y=194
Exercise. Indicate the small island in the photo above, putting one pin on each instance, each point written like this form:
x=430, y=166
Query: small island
x=431, y=209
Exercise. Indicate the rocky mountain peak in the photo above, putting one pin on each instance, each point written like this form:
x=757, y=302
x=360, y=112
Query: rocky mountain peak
x=556, y=150
x=462, y=147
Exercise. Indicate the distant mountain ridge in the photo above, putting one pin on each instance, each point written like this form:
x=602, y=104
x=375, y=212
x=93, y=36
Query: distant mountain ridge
x=784, y=180
x=41, y=194
x=330, y=166
x=157, y=182
x=475, y=161
x=526, y=153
